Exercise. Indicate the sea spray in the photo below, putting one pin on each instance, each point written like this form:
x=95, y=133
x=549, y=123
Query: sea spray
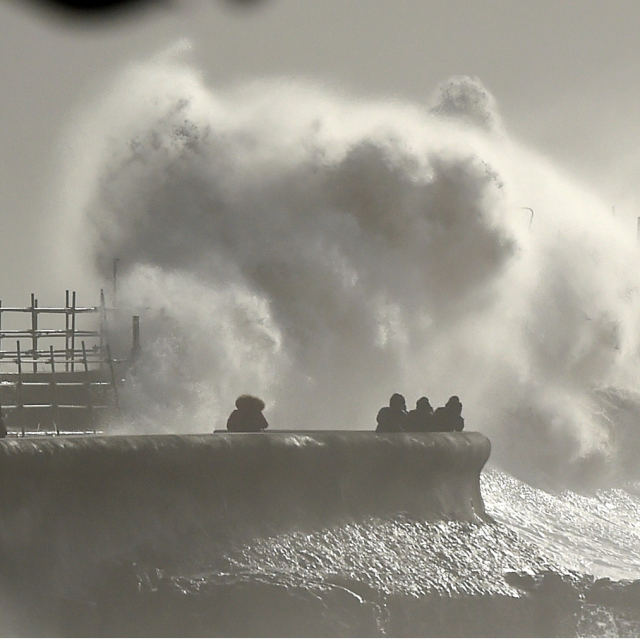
x=324, y=251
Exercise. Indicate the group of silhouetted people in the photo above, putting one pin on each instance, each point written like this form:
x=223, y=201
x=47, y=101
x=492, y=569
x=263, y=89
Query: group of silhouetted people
x=247, y=417
x=396, y=419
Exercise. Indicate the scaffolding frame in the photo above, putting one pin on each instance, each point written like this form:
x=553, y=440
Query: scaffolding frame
x=68, y=369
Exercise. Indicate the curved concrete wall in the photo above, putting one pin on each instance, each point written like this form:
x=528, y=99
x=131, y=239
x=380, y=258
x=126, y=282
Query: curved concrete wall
x=66, y=504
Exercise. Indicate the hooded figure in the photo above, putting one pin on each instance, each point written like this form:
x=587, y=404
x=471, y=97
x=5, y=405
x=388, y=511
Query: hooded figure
x=421, y=418
x=449, y=417
x=392, y=419
x=247, y=417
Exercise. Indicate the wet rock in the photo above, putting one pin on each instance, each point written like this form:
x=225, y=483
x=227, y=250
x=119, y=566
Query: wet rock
x=521, y=581
x=558, y=606
x=623, y=593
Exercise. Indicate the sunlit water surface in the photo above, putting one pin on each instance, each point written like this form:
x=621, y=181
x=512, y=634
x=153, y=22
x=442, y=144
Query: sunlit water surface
x=595, y=534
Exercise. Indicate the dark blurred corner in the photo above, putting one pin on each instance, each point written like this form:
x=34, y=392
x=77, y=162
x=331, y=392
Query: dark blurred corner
x=107, y=10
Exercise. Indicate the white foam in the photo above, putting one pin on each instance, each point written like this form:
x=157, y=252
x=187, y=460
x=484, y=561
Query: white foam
x=324, y=251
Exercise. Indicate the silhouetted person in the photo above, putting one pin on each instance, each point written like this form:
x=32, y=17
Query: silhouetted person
x=420, y=418
x=247, y=416
x=392, y=419
x=449, y=417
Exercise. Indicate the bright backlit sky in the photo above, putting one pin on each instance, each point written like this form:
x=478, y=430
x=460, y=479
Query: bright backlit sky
x=565, y=73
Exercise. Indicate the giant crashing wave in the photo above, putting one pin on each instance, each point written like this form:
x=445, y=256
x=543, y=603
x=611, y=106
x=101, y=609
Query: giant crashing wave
x=324, y=251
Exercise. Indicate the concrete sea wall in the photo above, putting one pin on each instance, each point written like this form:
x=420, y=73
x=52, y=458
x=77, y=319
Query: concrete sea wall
x=69, y=504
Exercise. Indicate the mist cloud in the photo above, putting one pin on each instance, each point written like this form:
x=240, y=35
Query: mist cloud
x=324, y=252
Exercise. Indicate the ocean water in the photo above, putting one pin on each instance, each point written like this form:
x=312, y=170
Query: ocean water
x=474, y=579
x=323, y=251
x=277, y=535
x=596, y=533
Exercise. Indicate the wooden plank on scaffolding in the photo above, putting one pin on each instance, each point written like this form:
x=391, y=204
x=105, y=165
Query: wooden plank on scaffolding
x=59, y=310
x=27, y=333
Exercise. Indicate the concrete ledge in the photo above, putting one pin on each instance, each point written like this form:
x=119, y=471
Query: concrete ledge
x=68, y=503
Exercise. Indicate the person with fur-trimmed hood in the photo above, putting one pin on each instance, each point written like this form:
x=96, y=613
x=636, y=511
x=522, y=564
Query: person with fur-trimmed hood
x=247, y=416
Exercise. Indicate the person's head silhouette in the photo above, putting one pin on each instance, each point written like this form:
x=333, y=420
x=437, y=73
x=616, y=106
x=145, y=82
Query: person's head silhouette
x=454, y=404
x=397, y=401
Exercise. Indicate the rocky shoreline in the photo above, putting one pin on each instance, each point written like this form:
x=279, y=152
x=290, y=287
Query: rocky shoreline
x=159, y=605
x=384, y=577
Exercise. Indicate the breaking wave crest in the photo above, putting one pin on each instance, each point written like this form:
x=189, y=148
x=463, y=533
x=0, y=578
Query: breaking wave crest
x=323, y=251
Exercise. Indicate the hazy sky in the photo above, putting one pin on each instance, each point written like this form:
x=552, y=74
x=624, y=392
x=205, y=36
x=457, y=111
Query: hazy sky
x=565, y=74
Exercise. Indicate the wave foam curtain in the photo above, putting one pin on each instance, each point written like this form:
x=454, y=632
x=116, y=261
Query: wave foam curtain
x=324, y=251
